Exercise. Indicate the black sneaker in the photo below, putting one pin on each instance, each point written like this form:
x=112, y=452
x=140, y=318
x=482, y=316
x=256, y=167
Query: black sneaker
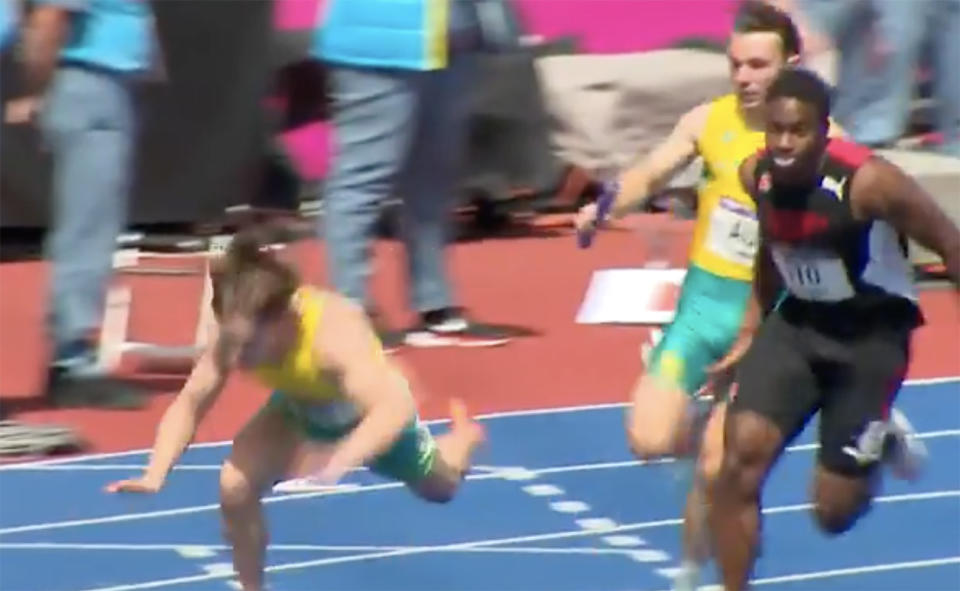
x=66, y=389
x=449, y=328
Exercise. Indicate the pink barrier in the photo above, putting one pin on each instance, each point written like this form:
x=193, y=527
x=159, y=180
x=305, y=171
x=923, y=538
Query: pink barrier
x=309, y=148
x=295, y=14
x=607, y=26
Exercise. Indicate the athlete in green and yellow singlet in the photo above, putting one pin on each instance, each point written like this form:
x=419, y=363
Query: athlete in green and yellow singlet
x=338, y=401
x=710, y=312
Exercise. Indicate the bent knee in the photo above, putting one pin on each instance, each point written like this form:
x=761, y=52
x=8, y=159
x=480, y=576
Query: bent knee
x=751, y=444
x=839, y=502
x=835, y=518
x=438, y=496
x=236, y=488
x=646, y=443
x=656, y=419
x=439, y=490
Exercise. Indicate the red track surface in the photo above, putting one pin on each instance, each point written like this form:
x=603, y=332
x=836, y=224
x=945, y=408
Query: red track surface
x=535, y=281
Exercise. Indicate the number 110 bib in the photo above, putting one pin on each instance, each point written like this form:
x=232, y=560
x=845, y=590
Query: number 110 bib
x=813, y=275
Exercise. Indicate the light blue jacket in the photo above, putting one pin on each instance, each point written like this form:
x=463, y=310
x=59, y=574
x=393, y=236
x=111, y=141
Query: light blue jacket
x=113, y=34
x=8, y=23
x=405, y=34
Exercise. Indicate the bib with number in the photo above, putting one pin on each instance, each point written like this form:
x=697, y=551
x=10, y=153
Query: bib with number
x=812, y=275
x=733, y=232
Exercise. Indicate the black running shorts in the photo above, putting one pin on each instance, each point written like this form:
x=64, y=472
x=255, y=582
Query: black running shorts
x=848, y=369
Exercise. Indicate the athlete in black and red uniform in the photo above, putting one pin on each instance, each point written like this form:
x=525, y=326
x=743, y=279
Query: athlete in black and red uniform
x=833, y=225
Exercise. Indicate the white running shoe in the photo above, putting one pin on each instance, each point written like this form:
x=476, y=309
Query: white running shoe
x=688, y=577
x=908, y=454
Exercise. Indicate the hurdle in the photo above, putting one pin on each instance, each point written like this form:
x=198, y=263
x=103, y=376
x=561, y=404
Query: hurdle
x=135, y=249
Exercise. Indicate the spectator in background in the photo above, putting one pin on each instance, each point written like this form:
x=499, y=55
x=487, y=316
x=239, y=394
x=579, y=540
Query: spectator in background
x=880, y=44
x=82, y=59
x=8, y=24
x=9, y=20
x=18, y=438
x=400, y=75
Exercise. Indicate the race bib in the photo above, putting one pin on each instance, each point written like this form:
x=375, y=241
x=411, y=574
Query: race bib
x=810, y=275
x=733, y=233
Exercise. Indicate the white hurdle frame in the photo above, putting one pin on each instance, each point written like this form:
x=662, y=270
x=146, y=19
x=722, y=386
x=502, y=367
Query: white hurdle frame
x=115, y=324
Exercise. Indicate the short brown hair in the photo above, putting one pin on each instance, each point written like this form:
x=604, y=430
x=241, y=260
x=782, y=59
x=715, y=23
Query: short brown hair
x=249, y=280
x=758, y=16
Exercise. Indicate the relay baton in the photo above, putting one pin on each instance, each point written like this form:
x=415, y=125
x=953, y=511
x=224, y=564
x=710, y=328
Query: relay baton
x=604, y=203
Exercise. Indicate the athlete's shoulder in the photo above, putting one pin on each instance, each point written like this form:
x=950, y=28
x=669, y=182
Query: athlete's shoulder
x=874, y=177
x=309, y=296
x=728, y=102
x=722, y=106
x=331, y=301
x=848, y=153
x=694, y=121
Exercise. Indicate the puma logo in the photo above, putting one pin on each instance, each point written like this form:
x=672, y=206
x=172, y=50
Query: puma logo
x=834, y=186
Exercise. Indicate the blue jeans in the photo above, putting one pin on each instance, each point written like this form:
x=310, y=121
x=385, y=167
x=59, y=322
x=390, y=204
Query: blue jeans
x=89, y=124
x=873, y=103
x=397, y=133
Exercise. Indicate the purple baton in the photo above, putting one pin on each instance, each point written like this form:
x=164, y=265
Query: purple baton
x=604, y=202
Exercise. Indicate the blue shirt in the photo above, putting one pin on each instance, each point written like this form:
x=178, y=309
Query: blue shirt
x=405, y=34
x=113, y=34
x=8, y=23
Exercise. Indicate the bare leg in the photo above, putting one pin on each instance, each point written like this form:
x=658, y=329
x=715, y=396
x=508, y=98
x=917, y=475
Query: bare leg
x=454, y=450
x=261, y=453
x=696, y=535
x=696, y=545
x=840, y=500
x=752, y=444
x=708, y=469
x=659, y=423
x=658, y=419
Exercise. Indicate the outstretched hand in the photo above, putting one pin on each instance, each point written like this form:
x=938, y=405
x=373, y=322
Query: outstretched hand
x=135, y=485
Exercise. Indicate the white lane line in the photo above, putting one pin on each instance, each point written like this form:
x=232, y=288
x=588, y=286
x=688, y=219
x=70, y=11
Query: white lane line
x=361, y=489
x=496, y=542
x=921, y=382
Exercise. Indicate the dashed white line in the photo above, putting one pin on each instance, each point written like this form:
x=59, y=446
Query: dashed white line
x=569, y=506
x=844, y=572
x=629, y=545
x=488, y=543
x=517, y=474
x=194, y=552
x=649, y=555
x=222, y=569
x=543, y=490
x=597, y=524
x=624, y=541
x=669, y=572
x=218, y=568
